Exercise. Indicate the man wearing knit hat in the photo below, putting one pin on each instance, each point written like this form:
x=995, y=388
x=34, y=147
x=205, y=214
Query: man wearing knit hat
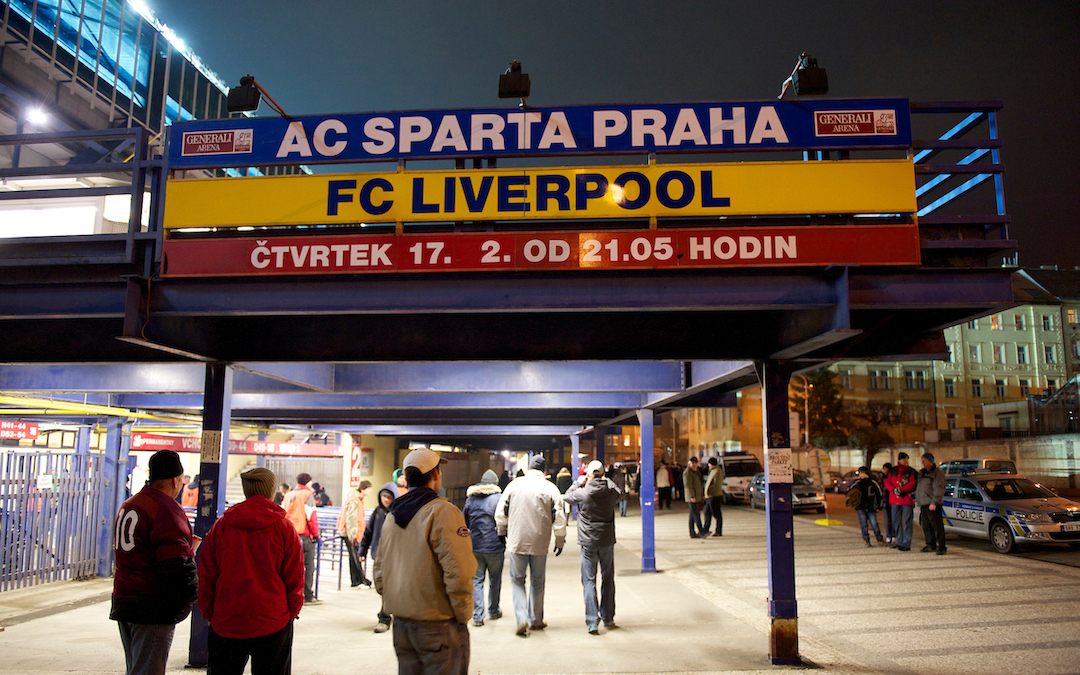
x=529, y=512
x=156, y=581
x=596, y=496
x=900, y=485
x=251, y=582
x=929, y=495
x=488, y=547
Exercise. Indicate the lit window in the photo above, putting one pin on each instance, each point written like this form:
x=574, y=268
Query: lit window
x=1048, y=354
x=999, y=354
x=976, y=388
x=1019, y=318
x=995, y=322
x=1073, y=315
x=974, y=353
x=1021, y=354
x=950, y=388
x=999, y=388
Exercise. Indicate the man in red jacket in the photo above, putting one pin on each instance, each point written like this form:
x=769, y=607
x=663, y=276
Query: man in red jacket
x=251, y=583
x=900, y=484
x=299, y=505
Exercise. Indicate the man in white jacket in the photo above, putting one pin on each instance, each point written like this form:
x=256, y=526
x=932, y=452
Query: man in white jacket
x=530, y=508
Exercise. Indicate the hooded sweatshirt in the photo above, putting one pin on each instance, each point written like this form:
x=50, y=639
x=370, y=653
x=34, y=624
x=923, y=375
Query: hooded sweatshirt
x=425, y=566
x=373, y=530
x=251, y=571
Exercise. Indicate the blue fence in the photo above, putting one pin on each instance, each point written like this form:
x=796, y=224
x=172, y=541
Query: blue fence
x=51, y=513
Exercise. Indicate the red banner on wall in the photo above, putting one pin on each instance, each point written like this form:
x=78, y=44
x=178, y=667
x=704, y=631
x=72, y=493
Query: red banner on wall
x=538, y=251
x=19, y=430
x=157, y=442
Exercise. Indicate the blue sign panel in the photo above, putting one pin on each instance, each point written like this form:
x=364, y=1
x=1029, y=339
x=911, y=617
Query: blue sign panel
x=577, y=130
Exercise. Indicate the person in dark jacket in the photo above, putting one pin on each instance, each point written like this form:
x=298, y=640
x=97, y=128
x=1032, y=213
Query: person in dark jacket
x=929, y=495
x=563, y=480
x=694, y=492
x=156, y=581
x=618, y=476
x=372, y=532
x=868, y=499
x=321, y=497
x=596, y=496
x=251, y=583
x=488, y=549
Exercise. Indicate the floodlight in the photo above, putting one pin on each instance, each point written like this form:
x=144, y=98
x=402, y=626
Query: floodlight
x=37, y=117
x=806, y=78
x=514, y=83
x=245, y=97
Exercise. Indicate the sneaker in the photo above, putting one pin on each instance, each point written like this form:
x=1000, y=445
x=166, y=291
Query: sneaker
x=523, y=629
x=382, y=627
x=926, y=549
x=594, y=629
x=478, y=622
x=610, y=625
x=313, y=601
x=867, y=542
x=540, y=625
x=494, y=615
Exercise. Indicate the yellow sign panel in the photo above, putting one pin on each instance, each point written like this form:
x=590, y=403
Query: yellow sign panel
x=679, y=190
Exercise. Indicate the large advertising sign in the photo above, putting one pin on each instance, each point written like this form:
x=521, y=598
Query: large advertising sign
x=155, y=442
x=539, y=251
x=646, y=191
x=574, y=130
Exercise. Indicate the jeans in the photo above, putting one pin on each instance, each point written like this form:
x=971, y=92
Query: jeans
x=528, y=608
x=933, y=527
x=887, y=515
x=622, y=506
x=308, y=544
x=695, y=520
x=604, y=556
x=270, y=654
x=713, y=507
x=902, y=525
x=431, y=647
x=492, y=565
x=146, y=647
x=872, y=517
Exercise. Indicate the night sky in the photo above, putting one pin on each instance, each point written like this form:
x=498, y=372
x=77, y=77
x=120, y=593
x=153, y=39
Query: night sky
x=323, y=57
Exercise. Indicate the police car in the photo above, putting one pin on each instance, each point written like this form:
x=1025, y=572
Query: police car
x=1008, y=510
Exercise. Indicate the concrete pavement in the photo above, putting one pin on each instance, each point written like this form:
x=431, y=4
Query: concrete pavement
x=861, y=610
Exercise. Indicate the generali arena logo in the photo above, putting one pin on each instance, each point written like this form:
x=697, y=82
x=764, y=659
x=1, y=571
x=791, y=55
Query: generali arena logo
x=217, y=142
x=855, y=123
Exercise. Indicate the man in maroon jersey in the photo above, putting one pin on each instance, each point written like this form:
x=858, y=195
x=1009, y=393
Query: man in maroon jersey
x=156, y=581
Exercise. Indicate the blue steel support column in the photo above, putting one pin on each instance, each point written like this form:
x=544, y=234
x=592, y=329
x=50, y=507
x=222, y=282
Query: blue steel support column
x=214, y=458
x=600, y=434
x=112, y=487
x=575, y=448
x=780, y=545
x=647, y=492
x=260, y=459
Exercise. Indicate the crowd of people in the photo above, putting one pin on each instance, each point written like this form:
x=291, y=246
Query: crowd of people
x=432, y=561
x=899, y=492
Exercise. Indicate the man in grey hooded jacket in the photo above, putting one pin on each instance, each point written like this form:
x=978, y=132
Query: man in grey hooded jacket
x=596, y=497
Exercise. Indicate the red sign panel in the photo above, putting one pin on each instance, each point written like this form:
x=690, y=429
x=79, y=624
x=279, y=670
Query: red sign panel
x=196, y=143
x=192, y=444
x=537, y=251
x=19, y=430
x=855, y=122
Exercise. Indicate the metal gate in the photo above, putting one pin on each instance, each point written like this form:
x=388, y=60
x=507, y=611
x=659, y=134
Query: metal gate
x=51, y=513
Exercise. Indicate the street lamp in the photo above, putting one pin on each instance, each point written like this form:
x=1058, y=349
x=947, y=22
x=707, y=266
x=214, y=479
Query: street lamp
x=806, y=399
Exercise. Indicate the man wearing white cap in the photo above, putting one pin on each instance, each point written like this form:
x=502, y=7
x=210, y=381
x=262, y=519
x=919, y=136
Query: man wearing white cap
x=530, y=509
x=596, y=497
x=424, y=571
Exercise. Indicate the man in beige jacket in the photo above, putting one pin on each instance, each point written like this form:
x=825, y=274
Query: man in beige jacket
x=424, y=571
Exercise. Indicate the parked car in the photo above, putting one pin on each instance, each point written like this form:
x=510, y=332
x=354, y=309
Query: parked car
x=981, y=465
x=739, y=468
x=805, y=493
x=852, y=477
x=1008, y=510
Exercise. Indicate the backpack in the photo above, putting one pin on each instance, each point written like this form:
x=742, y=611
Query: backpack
x=854, y=498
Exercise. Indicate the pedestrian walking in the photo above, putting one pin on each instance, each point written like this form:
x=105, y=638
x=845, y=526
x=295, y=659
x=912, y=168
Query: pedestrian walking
x=929, y=495
x=299, y=507
x=563, y=479
x=694, y=492
x=424, y=571
x=487, y=546
x=714, y=497
x=251, y=583
x=369, y=543
x=596, y=496
x=155, y=581
x=350, y=527
x=663, y=485
x=529, y=512
x=901, y=487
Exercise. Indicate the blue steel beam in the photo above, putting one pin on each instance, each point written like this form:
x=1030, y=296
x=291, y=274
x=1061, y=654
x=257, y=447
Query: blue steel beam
x=453, y=401
x=120, y=378
x=318, y=376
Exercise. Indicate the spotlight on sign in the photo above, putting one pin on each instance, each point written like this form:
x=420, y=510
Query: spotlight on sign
x=244, y=98
x=514, y=83
x=806, y=78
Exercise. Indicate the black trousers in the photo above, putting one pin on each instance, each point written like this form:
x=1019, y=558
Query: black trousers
x=713, y=507
x=933, y=527
x=665, y=498
x=356, y=570
x=270, y=654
